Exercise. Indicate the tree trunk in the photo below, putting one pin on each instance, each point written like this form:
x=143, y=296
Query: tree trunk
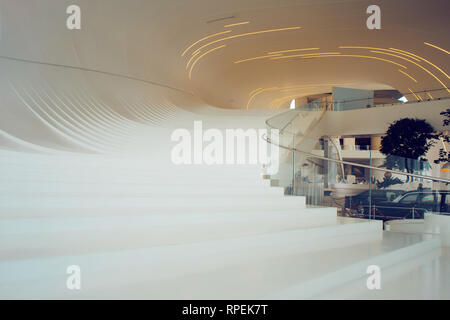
x=407, y=169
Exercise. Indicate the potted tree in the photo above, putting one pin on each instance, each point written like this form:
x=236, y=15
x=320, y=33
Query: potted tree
x=405, y=144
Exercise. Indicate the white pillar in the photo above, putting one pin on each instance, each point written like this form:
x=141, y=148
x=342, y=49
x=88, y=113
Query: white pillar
x=349, y=143
x=375, y=143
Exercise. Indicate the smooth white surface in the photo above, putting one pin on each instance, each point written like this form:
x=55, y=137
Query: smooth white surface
x=406, y=225
x=425, y=277
x=438, y=224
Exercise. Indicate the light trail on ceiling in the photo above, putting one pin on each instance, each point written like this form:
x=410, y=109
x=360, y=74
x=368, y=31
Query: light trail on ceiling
x=204, y=38
x=257, y=58
x=381, y=49
x=236, y=24
x=417, y=98
x=192, y=58
x=248, y=34
x=201, y=56
x=409, y=55
x=434, y=46
x=420, y=66
x=198, y=51
x=409, y=76
x=304, y=55
x=423, y=59
x=293, y=50
x=254, y=91
x=356, y=56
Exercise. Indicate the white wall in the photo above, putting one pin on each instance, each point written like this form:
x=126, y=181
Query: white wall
x=376, y=120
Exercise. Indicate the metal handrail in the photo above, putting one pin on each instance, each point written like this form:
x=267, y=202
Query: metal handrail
x=357, y=164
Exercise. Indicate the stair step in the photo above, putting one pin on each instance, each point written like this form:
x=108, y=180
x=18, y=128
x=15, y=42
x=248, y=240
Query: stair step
x=422, y=277
x=55, y=189
x=11, y=206
x=390, y=252
x=30, y=238
x=156, y=270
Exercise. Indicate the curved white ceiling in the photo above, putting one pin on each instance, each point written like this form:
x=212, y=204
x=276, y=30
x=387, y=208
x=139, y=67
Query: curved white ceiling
x=145, y=40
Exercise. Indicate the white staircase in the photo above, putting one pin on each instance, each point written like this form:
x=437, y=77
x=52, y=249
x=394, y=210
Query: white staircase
x=191, y=232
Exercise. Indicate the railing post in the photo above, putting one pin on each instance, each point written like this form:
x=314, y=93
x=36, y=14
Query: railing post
x=370, y=182
x=293, y=161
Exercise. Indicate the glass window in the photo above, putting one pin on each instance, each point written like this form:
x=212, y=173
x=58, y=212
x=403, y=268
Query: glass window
x=398, y=198
x=409, y=199
x=391, y=196
x=444, y=200
x=427, y=198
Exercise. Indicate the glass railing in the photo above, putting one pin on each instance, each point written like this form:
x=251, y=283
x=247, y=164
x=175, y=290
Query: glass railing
x=372, y=186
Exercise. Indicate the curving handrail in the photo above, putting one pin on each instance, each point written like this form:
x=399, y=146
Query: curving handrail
x=356, y=164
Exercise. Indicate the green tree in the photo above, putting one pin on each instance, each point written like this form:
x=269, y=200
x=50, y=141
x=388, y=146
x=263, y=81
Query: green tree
x=405, y=144
x=444, y=155
x=388, y=181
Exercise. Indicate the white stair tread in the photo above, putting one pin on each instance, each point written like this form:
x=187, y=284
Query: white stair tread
x=423, y=277
x=27, y=238
x=185, y=260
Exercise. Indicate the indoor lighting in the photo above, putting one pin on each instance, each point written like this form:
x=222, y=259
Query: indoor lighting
x=407, y=75
x=254, y=91
x=201, y=56
x=236, y=24
x=305, y=55
x=204, y=38
x=428, y=71
x=423, y=59
x=293, y=50
x=409, y=55
x=417, y=98
x=432, y=45
x=357, y=56
x=257, y=58
x=247, y=34
x=382, y=49
x=192, y=58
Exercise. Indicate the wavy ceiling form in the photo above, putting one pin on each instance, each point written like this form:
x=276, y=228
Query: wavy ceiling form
x=134, y=64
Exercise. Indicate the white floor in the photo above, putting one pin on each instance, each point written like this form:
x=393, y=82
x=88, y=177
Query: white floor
x=424, y=277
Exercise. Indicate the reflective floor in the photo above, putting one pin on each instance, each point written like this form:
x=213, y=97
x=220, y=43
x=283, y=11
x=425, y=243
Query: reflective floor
x=425, y=277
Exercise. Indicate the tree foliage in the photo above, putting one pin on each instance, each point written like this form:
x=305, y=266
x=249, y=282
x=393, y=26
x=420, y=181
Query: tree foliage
x=405, y=144
x=388, y=181
x=444, y=156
